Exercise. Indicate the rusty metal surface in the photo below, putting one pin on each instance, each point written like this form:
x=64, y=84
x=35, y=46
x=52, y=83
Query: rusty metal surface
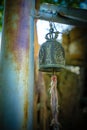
x=16, y=55
x=71, y=16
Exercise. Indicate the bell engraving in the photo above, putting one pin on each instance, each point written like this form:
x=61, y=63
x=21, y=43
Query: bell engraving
x=51, y=54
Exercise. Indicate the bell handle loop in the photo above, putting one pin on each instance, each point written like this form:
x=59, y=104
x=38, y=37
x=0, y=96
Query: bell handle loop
x=51, y=35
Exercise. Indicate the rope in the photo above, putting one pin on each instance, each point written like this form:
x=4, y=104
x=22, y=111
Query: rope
x=54, y=102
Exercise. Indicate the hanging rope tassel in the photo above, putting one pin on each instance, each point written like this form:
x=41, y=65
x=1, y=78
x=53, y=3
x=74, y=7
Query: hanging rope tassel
x=54, y=102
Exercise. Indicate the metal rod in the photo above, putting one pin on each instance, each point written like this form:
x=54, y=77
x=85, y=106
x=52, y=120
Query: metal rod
x=17, y=67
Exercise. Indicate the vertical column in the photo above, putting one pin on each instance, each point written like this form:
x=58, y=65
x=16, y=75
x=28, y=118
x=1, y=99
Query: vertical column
x=31, y=67
x=17, y=66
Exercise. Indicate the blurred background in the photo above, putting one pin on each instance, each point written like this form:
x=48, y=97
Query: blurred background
x=72, y=81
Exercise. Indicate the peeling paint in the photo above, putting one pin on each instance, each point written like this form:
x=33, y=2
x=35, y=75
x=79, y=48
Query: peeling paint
x=17, y=71
x=16, y=35
x=25, y=113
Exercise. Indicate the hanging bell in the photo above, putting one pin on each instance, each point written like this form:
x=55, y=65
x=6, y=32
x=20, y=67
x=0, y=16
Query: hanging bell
x=51, y=53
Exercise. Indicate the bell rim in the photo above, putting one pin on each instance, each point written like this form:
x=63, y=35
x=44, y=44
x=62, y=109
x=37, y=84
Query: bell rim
x=50, y=68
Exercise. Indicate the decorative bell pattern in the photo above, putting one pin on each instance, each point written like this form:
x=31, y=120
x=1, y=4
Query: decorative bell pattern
x=51, y=54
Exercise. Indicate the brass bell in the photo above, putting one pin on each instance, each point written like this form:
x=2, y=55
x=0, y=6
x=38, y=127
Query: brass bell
x=51, y=53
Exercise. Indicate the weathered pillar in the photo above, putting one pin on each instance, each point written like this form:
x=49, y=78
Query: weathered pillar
x=17, y=66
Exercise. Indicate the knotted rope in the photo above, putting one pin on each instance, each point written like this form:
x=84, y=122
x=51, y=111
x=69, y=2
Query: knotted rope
x=54, y=102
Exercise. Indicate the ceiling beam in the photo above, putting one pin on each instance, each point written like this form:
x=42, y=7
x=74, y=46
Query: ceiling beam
x=64, y=15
